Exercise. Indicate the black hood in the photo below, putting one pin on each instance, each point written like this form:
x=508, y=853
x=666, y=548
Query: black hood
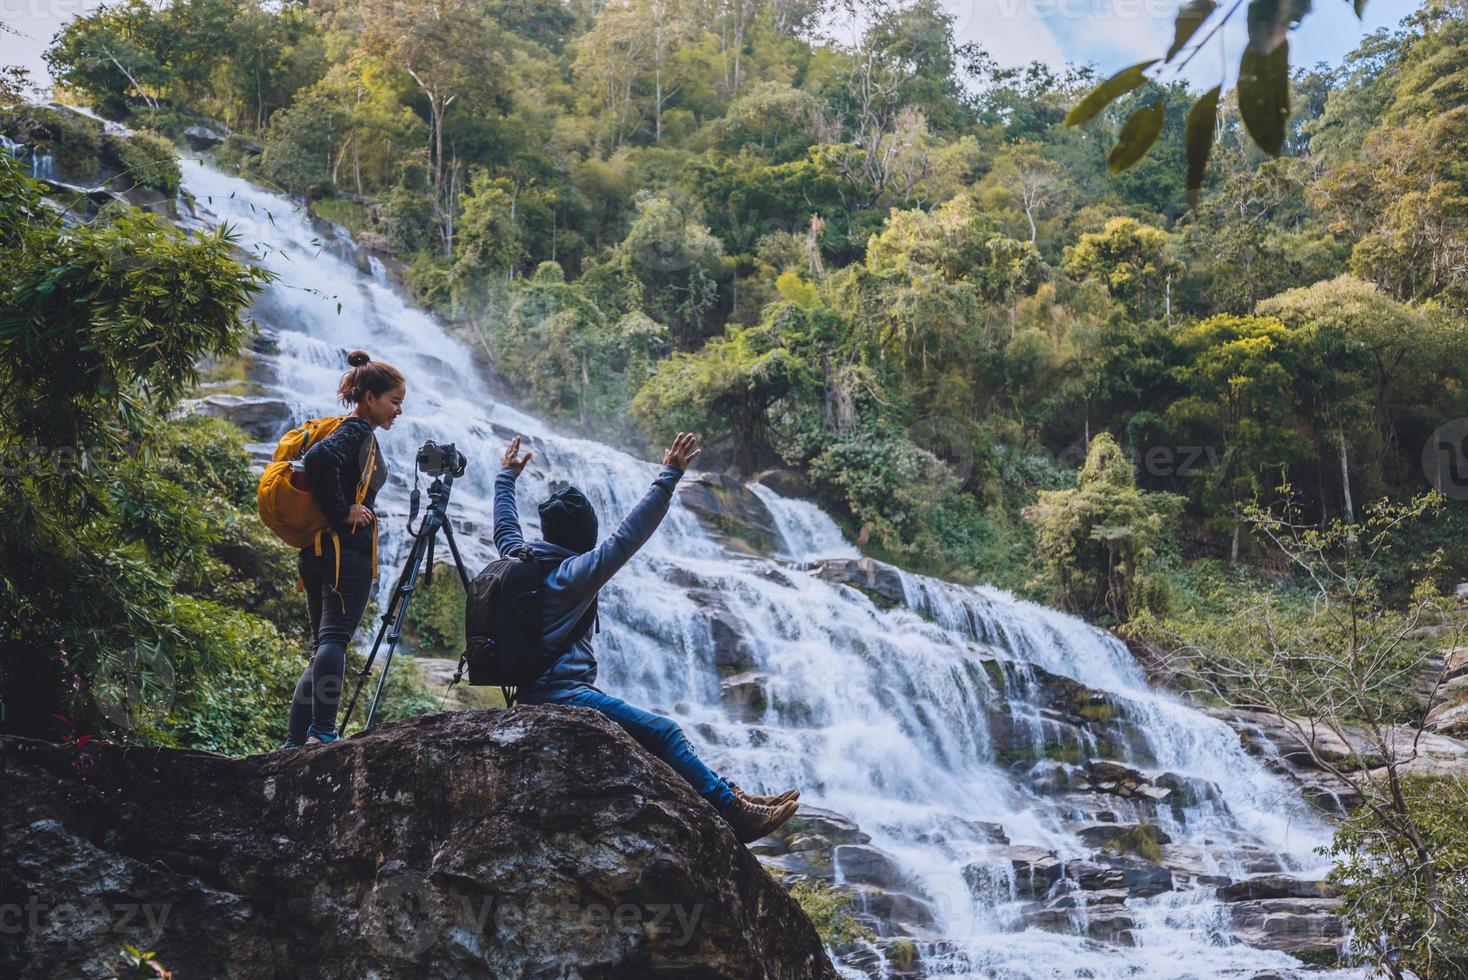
x=567, y=519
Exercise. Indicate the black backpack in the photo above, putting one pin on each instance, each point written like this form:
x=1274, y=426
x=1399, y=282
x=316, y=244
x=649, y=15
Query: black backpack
x=502, y=626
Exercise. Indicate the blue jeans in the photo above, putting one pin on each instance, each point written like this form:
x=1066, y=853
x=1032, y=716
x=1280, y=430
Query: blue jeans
x=660, y=736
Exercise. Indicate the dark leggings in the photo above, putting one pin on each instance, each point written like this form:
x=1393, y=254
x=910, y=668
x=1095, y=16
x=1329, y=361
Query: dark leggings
x=334, y=618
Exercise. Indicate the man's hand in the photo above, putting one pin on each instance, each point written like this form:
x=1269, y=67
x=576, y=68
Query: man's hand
x=512, y=458
x=682, y=452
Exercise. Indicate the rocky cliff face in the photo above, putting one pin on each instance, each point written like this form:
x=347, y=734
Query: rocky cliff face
x=537, y=842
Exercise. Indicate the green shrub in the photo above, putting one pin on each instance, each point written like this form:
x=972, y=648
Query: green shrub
x=1103, y=544
x=148, y=159
x=170, y=120
x=1378, y=871
x=101, y=550
x=436, y=613
x=407, y=695
x=239, y=154
x=236, y=676
x=829, y=911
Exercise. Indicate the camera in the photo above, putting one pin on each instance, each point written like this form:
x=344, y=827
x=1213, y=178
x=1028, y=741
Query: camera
x=436, y=460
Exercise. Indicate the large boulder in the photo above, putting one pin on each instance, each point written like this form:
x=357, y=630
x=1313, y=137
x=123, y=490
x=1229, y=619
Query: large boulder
x=785, y=482
x=263, y=419
x=732, y=511
x=201, y=138
x=541, y=841
x=881, y=582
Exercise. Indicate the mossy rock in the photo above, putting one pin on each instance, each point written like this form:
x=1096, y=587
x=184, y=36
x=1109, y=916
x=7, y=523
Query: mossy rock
x=1143, y=840
x=730, y=510
x=1094, y=706
x=1068, y=752
x=901, y=953
x=1317, y=957
x=829, y=911
x=73, y=141
x=230, y=374
x=879, y=600
x=995, y=672
x=146, y=159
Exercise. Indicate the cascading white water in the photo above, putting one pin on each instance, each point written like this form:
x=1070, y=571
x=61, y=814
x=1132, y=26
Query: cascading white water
x=43, y=165
x=876, y=714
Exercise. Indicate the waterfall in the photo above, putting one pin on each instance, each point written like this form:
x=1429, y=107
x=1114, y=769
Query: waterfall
x=806, y=531
x=43, y=165
x=875, y=710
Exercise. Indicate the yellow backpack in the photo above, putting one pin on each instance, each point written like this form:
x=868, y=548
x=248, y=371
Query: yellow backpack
x=287, y=506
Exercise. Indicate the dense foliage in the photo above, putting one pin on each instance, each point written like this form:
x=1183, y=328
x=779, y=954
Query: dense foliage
x=1379, y=877
x=127, y=556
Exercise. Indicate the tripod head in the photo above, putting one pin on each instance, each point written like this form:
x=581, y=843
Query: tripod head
x=437, y=515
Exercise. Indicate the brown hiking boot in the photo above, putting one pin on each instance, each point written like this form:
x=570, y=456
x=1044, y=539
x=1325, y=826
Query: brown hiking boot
x=789, y=794
x=751, y=821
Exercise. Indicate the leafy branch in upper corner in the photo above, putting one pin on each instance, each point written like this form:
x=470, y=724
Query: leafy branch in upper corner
x=1263, y=87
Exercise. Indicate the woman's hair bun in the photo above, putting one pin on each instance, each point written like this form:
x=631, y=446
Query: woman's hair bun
x=358, y=357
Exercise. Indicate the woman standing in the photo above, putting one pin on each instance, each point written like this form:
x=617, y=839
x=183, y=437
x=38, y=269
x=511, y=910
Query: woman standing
x=337, y=574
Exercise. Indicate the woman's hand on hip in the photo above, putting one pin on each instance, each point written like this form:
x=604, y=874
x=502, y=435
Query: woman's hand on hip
x=358, y=516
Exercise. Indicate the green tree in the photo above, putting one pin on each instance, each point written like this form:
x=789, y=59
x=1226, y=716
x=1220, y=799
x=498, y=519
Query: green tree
x=726, y=389
x=101, y=328
x=1341, y=675
x=1101, y=544
x=1373, y=375
x=112, y=56
x=1132, y=260
x=673, y=264
x=1257, y=236
x=1240, y=373
x=301, y=147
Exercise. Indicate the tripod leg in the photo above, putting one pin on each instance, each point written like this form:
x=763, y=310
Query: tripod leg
x=396, y=631
x=448, y=532
x=393, y=614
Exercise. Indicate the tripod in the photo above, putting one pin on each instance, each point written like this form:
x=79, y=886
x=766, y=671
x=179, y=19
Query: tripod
x=436, y=518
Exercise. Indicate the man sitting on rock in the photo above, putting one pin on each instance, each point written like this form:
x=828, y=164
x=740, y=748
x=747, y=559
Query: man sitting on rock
x=576, y=568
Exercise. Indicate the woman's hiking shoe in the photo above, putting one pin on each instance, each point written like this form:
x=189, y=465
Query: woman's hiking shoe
x=291, y=743
x=315, y=736
x=789, y=794
x=751, y=821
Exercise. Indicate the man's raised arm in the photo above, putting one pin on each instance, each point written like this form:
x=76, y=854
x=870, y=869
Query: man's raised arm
x=585, y=573
x=507, y=534
x=589, y=571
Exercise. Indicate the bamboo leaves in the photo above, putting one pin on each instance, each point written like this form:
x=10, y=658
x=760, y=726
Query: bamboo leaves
x=1190, y=17
x=1263, y=86
x=1270, y=22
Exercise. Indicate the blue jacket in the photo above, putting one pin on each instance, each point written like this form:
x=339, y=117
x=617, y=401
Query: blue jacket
x=572, y=579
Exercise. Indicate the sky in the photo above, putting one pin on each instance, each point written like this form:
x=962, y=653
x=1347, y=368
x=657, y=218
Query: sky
x=1116, y=33
x=1110, y=33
